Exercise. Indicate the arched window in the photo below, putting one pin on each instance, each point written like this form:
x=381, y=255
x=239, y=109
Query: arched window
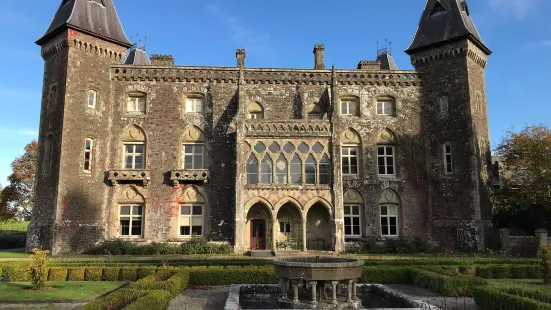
x=134, y=148
x=266, y=170
x=350, y=153
x=256, y=111
x=324, y=170
x=353, y=203
x=281, y=170
x=252, y=170
x=296, y=170
x=193, y=149
x=389, y=213
x=310, y=170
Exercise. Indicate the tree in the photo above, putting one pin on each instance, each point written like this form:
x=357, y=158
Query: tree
x=16, y=199
x=525, y=176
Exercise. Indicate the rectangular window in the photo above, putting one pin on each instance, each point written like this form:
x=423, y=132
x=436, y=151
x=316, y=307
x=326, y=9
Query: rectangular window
x=88, y=152
x=349, y=160
x=136, y=103
x=194, y=105
x=385, y=160
x=352, y=226
x=131, y=221
x=324, y=171
x=444, y=106
x=389, y=220
x=92, y=95
x=349, y=108
x=134, y=156
x=191, y=221
x=256, y=115
x=285, y=226
x=448, y=160
x=385, y=107
x=194, y=156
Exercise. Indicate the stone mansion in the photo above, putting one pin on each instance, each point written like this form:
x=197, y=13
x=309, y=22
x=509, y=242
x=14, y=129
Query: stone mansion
x=138, y=148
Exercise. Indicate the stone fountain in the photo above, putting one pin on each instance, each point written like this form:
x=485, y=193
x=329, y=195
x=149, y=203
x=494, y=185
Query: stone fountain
x=304, y=282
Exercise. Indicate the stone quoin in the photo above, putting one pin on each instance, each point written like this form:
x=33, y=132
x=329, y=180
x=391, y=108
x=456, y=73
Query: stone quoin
x=144, y=150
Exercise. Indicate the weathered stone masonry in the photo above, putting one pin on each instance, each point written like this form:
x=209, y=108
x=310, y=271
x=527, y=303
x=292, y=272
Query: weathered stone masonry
x=75, y=209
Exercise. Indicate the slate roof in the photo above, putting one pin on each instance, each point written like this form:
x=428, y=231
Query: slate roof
x=98, y=18
x=387, y=61
x=138, y=57
x=438, y=26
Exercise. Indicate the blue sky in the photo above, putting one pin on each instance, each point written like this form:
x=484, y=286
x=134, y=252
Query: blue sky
x=282, y=34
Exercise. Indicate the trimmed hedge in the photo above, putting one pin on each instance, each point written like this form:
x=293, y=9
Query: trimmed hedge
x=57, y=274
x=75, y=274
x=17, y=273
x=453, y=286
x=93, y=274
x=492, y=298
x=175, y=284
x=146, y=271
x=128, y=274
x=155, y=300
x=386, y=275
x=111, y=273
x=508, y=271
x=116, y=300
x=232, y=275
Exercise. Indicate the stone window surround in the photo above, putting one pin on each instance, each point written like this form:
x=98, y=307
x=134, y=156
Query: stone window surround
x=144, y=155
x=194, y=96
x=135, y=95
x=386, y=156
x=142, y=217
x=191, y=216
x=255, y=109
x=397, y=216
x=444, y=105
x=351, y=215
x=94, y=99
x=385, y=98
x=89, y=151
x=349, y=98
x=193, y=155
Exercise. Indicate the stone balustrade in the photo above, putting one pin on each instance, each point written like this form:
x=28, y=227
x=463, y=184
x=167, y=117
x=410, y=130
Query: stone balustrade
x=189, y=175
x=138, y=176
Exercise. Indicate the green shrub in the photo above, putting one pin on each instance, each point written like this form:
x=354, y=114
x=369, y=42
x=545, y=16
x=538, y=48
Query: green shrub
x=446, y=270
x=155, y=300
x=146, y=271
x=508, y=271
x=491, y=298
x=111, y=273
x=93, y=274
x=202, y=246
x=17, y=273
x=537, y=294
x=467, y=270
x=39, y=272
x=57, y=274
x=232, y=275
x=544, y=259
x=386, y=275
x=128, y=274
x=377, y=245
x=453, y=286
x=175, y=284
x=75, y=274
x=194, y=246
x=116, y=300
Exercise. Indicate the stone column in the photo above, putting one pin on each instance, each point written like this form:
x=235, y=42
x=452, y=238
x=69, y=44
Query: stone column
x=304, y=235
x=349, y=297
x=505, y=239
x=295, y=284
x=314, y=285
x=334, y=285
x=541, y=237
x=275, y=229
x=354, y=291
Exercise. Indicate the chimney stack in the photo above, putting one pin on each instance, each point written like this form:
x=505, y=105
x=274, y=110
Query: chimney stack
x=319, y=63
x=240, y=54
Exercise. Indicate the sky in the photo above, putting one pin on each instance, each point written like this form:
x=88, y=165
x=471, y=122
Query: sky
x=282, y=34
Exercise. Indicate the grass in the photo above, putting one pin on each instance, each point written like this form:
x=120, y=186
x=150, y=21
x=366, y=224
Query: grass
x=14, y=225
x=64, y=291
x=15, y=253
x=521, y=283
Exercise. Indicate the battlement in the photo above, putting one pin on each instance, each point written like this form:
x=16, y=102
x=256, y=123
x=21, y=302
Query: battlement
x=162, y=60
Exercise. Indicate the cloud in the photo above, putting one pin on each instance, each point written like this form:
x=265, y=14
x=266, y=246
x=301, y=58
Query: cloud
x=537, y=45
x=241, y=35
x=19, y=132
x=518, y=9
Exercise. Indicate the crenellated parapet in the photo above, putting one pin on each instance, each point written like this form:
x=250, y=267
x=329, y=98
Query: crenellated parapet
x=255, y=128
x=429, y=57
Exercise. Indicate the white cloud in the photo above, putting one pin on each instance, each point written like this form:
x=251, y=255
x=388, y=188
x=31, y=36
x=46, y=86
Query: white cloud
x=537, y=45
x=518, y=9
x=241, y=35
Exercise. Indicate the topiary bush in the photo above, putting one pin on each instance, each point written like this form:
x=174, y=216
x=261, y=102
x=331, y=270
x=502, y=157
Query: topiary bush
x=378, y=245
x=232, y=275
x=386, y=275
x=154, y=300
x=75, y=274
x=38, y=270
x=128, y=274
x=93, y=274
x=175, y=284
x=17, y=273
x=544, y=259
x=194, y=246
x=116, y=300
x=495, y=299
x=111, y=273
x=57, y=274
x=453, y=286
x=146, y=271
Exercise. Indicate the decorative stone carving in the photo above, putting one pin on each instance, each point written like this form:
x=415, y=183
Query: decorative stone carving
x=350, y=137
x=352, y=196
x=130, y=176
x=389, y=196
x=191, y=194
x=386, y=137
x=193, y=134
x=187, y=176
x=286, y=128
x=133, y=133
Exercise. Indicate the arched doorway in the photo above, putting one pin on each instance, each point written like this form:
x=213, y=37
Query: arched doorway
x=258, y=230
x=318, y=228
x=289, y=235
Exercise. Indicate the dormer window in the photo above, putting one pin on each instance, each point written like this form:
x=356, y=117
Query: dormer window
x=194, y=105
x=136, y=103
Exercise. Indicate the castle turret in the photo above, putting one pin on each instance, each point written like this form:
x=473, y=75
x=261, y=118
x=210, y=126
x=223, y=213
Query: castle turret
x=84, y=39
x=450, y=55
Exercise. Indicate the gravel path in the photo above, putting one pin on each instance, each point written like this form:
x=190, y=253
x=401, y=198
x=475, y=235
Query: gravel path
x=448, y=303
x=201, y=298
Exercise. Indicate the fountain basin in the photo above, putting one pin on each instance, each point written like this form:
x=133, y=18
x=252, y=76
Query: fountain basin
x=318, y=268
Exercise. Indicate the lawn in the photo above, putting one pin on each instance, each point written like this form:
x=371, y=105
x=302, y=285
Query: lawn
x=520, y=283
x=16, y=291
x=15, y=253
x=14, y=225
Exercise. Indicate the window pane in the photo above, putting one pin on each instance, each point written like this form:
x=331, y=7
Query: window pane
x=185, y=230
x=282, y=227
x=139, y=148
x=287, y=227
x=136, y=227
x=188, y=162
x=197, y=221
x=137, y=210
x=186, y=210
x=189, y=106
x=344, y=109
x=139, y=162
x=288, y=147
x=356, y=221
x=392, y=221
x=347, y=221
x=274, y=148
x=199, y=106
x=197, y=210
x=125, y=227
x=384, y=220
x=347, y=210
x=356, y=230
x=355, y=210
x=353, y=108
x=125, y=210
x=384, y=211
x=198, y=162
x=347, y=230
x=354, y=170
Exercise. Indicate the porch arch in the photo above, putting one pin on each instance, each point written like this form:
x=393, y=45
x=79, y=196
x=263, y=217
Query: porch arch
x=258, y=226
